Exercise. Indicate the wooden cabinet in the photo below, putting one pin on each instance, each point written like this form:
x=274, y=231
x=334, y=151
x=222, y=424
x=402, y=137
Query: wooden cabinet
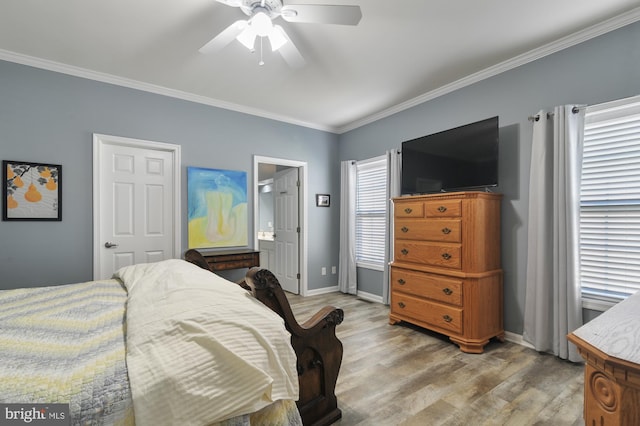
x=446, y=273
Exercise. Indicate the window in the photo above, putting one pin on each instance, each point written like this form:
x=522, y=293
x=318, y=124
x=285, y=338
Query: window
x=371, y=195
x=610, y=203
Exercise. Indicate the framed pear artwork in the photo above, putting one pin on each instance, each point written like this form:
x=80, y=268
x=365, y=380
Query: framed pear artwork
x=32, y=191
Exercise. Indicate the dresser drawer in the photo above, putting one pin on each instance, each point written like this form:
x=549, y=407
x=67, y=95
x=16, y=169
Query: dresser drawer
x=446, y=255
x=431, y=230
x=409, y=209
x=443, y=208
x=432, y=313
x=431, y=286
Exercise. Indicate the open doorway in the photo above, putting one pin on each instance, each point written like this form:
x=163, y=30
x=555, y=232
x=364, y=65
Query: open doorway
x=273, y=190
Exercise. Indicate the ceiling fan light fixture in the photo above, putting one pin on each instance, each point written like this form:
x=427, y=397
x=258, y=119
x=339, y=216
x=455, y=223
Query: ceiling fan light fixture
x=261, y=23
x=277, y=38
x=247, y=37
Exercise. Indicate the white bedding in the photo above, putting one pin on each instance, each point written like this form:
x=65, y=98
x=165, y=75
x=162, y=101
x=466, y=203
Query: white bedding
x=233, y=355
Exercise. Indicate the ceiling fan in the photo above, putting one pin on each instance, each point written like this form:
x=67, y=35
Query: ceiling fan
x=261, y=14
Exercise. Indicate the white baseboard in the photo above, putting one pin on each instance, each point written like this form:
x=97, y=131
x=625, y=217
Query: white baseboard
x=369, y=297
x=323, y=290
x=517, y=338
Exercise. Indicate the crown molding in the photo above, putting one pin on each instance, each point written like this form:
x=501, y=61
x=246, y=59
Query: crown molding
x=49, y=65
x=546, y=50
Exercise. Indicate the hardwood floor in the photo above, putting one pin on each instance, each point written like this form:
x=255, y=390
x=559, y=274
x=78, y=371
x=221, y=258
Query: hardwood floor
x=404, y=375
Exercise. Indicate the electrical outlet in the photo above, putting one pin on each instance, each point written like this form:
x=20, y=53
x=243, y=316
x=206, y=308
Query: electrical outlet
x=324, y=271
x=333, y=270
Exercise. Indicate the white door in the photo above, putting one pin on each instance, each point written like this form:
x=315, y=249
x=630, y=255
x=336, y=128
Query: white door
x=287, y=229
x=136, y=203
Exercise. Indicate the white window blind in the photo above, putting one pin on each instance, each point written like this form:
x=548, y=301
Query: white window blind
x=371, y=189
x=610, y=201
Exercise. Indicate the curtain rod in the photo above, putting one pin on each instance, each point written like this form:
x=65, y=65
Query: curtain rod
x=536, y=117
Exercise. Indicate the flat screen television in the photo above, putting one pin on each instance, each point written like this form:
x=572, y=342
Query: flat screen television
x=463, y=158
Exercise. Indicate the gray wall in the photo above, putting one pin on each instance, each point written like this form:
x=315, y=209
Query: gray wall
x=599, y=70
x=49, y=117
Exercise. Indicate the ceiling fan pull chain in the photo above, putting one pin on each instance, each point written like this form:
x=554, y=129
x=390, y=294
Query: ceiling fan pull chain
x=261, y=61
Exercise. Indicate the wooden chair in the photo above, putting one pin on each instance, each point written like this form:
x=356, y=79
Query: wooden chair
x=318, y=350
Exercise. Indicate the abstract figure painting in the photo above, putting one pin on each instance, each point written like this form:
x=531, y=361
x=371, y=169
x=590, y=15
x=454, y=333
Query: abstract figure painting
x=217, y=208
x=32, y=191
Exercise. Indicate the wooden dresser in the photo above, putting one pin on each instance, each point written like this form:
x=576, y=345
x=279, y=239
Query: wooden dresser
x=446, y=273
x=610, y=345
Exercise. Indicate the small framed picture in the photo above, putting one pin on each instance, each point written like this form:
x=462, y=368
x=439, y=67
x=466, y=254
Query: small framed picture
x=323, y=200
x=31, y=191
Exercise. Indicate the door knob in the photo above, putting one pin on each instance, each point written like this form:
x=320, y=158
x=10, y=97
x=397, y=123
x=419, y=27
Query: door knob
x=110, y=244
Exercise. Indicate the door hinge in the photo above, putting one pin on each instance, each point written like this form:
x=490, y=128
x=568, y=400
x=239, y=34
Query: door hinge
x=298, y=183
x=298, y=275
x=298, y=229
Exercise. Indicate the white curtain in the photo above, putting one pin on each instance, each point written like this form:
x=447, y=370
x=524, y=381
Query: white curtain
x=347, y=281
x=553, y=306
x=394, y=168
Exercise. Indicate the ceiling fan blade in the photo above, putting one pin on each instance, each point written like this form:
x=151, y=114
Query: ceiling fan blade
x=289, y=51
x=232, y=3
x=224, y=38
x=321, y=14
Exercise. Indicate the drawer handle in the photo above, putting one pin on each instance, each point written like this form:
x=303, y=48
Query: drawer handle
x=408, y=210
x=447, y=291
x=401, y=281
x=446, y=231
x=447, y=318
x=401, y=304
x=442, y=209
x=446, y=256
x=404, y=229
x=404, y=251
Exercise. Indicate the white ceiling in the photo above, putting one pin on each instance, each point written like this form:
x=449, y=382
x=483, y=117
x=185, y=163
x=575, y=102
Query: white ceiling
x=402, y=52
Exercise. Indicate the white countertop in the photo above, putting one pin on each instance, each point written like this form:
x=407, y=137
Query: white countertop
x=265, y=236
x=616, y=332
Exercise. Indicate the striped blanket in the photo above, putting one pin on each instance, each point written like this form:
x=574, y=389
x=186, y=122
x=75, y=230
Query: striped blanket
x=67, y=344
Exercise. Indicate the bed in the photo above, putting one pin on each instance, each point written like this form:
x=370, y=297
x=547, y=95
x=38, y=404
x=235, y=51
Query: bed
x=162, y=343
x=318, y=350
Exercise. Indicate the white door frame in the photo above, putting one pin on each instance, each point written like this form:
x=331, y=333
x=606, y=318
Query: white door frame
x=302, y=203
x=99, y=141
